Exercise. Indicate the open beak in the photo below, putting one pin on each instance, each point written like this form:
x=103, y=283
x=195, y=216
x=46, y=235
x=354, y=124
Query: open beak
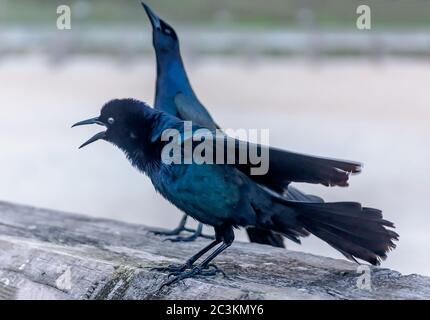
x=98, y=136
x=155, y=20
x=89, y=121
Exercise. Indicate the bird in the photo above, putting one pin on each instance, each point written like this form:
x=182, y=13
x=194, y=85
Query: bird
x=172, y=81
x=223, y=196
x=175, y=95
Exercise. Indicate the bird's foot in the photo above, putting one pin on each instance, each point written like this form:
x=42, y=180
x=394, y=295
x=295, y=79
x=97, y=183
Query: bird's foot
x=173, y=232
x=216, y=269
x=183, y=239
x=173, y=268
x=208, y=271
x=190, y=238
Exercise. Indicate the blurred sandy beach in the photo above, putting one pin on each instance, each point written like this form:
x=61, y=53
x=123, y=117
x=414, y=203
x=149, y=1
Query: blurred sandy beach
x=376, y=112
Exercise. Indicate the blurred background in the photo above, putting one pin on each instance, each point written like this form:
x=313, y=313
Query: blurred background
x=300, y=68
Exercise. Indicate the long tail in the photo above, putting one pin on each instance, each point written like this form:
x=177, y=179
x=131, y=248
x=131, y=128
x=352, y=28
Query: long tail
x=264, y=236
x=357, y=232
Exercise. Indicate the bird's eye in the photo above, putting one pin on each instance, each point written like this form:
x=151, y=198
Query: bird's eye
x=168, y=31
x=132, y=135
x=111, y=120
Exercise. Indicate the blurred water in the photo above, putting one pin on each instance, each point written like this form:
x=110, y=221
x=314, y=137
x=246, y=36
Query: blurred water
x=353, y=109
x=132, y=41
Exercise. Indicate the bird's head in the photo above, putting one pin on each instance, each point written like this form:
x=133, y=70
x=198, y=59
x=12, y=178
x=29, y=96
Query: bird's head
x=165, y=39
x=126, y=123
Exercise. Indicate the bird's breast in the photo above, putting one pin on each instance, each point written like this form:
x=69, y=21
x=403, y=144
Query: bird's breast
x=205, y=192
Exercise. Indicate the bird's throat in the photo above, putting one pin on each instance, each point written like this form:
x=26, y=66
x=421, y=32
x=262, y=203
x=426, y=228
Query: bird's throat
x=171, y=74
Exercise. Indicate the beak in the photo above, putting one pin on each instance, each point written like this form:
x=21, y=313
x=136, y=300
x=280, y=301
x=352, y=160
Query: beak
x=155, y=20
x=89, y=121
x=98, y=136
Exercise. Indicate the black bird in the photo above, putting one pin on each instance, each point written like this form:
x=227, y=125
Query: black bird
x=223, y=196
x=172, y=83
x=175, y=95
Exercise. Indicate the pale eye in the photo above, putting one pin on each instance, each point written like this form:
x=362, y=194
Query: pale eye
x=111, y=121
x=132, y=135
x=168, y=31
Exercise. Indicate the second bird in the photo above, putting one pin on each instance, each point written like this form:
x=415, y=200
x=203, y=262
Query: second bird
x=175, y=95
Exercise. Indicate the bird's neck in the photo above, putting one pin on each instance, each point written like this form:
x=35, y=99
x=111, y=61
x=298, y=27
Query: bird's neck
x=144, y=153
x=171, y=79
x=144, y=159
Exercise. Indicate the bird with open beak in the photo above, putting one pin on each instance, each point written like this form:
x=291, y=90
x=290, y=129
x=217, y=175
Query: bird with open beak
x=225, y=197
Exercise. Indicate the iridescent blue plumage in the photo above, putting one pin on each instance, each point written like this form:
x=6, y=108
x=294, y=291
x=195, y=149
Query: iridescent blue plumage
x=222, y=196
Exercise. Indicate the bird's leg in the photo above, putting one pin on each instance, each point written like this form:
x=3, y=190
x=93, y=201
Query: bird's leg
x=177, y=230
x=202, y=268
x=199, y=270
x=197, y=233
x=189, y=263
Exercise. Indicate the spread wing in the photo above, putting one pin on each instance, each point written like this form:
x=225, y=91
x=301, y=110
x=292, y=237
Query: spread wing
x=284, y=166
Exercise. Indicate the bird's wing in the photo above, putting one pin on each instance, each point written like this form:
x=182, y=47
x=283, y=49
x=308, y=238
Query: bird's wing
x=192, y=110
x=283, y=166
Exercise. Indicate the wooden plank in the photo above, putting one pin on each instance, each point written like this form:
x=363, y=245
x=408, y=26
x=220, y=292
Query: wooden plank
x=46, y=254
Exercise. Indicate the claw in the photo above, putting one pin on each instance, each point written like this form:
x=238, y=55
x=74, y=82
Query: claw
x=217, y=269
x=173, y=232
x=196, y=271
x=190, y=238
x=182, y=276
x=183, y=239
x=166, y=284
x=173, y=268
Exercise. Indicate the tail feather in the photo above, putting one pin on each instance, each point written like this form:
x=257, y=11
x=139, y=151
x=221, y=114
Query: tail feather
x=264, y=236
x=289, y=228
x=349, y=224
x=349, y=239
x=292, y=232
x=348, y=249
x=379, y=239
x=357, y=232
